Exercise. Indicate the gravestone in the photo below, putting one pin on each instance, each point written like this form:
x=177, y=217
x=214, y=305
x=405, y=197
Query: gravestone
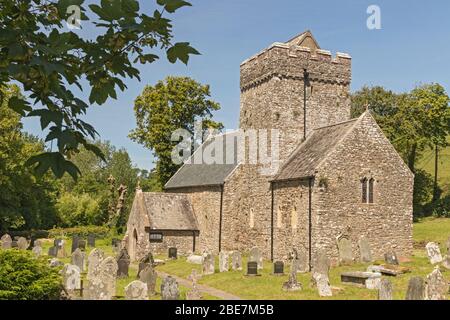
x=147, y=260
x=345, y=251
x=169, y=289
x=91, y=240
x=123, y=262
x=369, y=280
x=300, y=263
x=433, y=252
x=208, y=264
x=94, y=259
x=256, y=256
x=37, y=243
x=385, y=290
x=71, y=278
x=22, y=243
x=75, y=240
x=252, y=268
x=436, y=287
x=37, y=251
x=236, y=261
x=365, y=254
x=172, y=253
x=194, y=259
x=416, y=289
x=54, y=262
x=107, y=271
x=224, y=263
x=391, y=258
x=148, y=275
x=292, y=284
x=6, y=241
x=52, y=251
x=14, y=244
x=60, y=250
x=193, y=294
x=446, y=262
x=321, y=263
x=136, y=290
x=77, y=259
x=82, y=245
x=322, y=283
x=278, y=268
x=96, y=289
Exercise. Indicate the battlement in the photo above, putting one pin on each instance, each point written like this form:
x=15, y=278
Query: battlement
x=289, y=60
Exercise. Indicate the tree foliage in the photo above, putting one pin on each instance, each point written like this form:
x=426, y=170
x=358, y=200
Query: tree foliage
x=175, y=103
x=51, y=63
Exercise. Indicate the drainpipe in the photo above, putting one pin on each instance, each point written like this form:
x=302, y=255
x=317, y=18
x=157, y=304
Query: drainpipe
x=305, y=84
x=193, y=241
x=271, y=222
x=310, y=221
x=220, y=217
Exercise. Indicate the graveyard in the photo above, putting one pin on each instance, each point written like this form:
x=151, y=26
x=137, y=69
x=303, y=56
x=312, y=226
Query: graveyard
x=224, y=280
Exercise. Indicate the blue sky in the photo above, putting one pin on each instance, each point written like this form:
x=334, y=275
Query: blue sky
x=412, y=47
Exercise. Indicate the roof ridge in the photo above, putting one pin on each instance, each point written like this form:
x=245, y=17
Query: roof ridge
x=336, y=124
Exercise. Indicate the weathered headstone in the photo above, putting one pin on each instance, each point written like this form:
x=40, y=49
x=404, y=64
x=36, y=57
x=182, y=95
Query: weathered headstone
x=75, y=240
x=136, y=290
x=52, y=251
x=385, y=290
x=292, y=284
x=77, y=259
x=22, y=243
x=71, y=278
x=95, y=257
x=96, y=289
x=322, y=283
x=193, y=294
x=194, y=259
x=446, y=262
x=107, y=270
x=391, y=258
x=60, y=249
x=6, y=241
x=148, y=275
x=224, y=263
x=54, y=262
x=14, y=244
x=91, y=240
x=82, y=245
x=123, y=262
x=300, y=263
x=321, y=263
x=145, y=261
x=256, y=256
x=433, y=252
x=208, y=264
x=416, y=289
x=365, y=254
x=436, y=287
x=345, y=250
x=169, y=289
x=278, y=268
x=236, y=261
x=37, y=251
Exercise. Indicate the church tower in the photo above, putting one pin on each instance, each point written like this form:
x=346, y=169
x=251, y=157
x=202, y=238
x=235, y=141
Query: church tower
x=294, y=87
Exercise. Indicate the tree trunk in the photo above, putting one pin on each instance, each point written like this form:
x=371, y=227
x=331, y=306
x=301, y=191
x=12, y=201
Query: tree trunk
x=412, y=157
x=435, y=186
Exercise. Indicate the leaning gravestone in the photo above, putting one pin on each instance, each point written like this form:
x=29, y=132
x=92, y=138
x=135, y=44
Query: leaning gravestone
x=208, y=264
x=75, y=240
x=6, y=241
x=95, y=257
x=223, y=261
x=78, y=259
x=193, y=294
x=433, y=252
x=256, y=256
x=148, y=275
x=391, y=258
x=136, y=290
x=292, y=284
x=385, y=290
x=91, y=240
x=236, y=261
x=22, y=243
x=123, y=262
x=321, y=263
x=416, y=289
x=147, y=260
x=71, y=278
x=345, y=250
x=365, y=254
x=436, y=287
x=169, y=289
x=322, y=283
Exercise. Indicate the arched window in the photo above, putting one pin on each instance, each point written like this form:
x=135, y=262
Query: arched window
x=371, y=182
x=252, y=219
x=364, y=190
x=294, y=218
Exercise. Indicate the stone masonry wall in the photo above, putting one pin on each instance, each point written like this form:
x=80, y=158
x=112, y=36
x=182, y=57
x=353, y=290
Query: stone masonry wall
x=182, y=240
x=338, y=208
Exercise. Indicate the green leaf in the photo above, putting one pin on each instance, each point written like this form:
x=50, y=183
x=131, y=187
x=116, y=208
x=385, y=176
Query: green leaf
x=47, y=116
x=181, y=51
x=173, y=5
x=54, y=161
x=19, y=105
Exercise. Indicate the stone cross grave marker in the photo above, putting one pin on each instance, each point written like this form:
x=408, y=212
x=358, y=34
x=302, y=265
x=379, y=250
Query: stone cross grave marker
x=292, y=284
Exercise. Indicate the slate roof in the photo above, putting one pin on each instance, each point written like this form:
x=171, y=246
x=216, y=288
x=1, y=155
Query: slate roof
x=169, y=211
x=304, y=160
x=205, y=173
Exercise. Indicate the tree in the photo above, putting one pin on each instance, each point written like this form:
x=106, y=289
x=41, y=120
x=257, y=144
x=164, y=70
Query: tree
x=51, y=62
x=175, y=103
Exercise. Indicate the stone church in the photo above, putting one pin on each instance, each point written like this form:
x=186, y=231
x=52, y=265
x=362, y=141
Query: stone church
x=337, y=177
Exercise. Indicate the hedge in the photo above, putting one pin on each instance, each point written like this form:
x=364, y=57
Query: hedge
x=83, y=231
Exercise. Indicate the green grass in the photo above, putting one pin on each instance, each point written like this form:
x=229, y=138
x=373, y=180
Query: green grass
x=427, y=163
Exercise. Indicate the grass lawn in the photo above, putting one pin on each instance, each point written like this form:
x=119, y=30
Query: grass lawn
x=268, y=287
